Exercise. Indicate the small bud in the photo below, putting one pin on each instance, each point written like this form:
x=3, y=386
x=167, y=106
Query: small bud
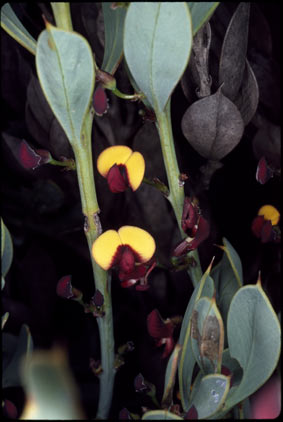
x=32, y=158
x=98, y=298
x=107, y=80
x=140, y=384
x=64, y=287
x=263, y=171
x=100, y=101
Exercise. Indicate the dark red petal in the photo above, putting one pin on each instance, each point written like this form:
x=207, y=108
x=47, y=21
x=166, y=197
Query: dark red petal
x=100, y=101
x=257, y=225
x=28, y=157
x=181, y=249
x=192, y=413
x=263, y=172
x=267, y=232
x=98, y=298
x=127, y=261
x=156, y=327
x=116, y=180
x=142, y=287
x=10, y=410
x=189, y=216
x=128, y=283
x=169, y=346
x=139, y=384
x=64, y=287
x=138, y=272
x=226, y=371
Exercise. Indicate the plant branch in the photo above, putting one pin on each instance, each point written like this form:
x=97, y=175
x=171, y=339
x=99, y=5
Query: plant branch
x=62, y=15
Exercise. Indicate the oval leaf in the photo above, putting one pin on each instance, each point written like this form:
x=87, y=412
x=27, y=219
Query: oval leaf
x=207, y=335
x=12, y=25
x=157, y=46
x=65, y=70
x=113, y=26
x=254, y=339
x=234, y=50
x=160, y=415
x=6, y=249
x=213, y=126
x=209, y=393
x=170, y=376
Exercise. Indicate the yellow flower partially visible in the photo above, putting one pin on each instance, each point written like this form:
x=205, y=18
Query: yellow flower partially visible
x=270, y=213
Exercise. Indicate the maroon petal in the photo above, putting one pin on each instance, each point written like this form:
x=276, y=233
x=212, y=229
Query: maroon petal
x=226, y=371
x=189, y=216
x=138, y=272
x=127, y=261
x=267, y=232
x=28, y=157
x=100, y=101
x=156, y=327
x=201, y=233
x=257, y=225
x=116, y=180
x=128, y=283
x=10, y=410
x=263, y=172
x=98, y=298
x=64, y=287
x=192, y=413
x=139, y=384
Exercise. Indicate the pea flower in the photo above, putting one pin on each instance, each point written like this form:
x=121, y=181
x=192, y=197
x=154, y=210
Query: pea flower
x=32, y=158
x=130, y=249
x=265, y=225
x=194, y=225
x=121, y=167
x=162, y=331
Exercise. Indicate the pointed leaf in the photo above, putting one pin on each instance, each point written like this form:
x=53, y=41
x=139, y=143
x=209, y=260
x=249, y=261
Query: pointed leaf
x=213, y=126
x=234, y=50
x=50, y=389
x=4, y=319
x=6, y=250
x=12, y=25
x=248, y=95
x=254, y=339
x=113, y=25
x=201, y=12
x=157, y=46
x=187, y=359
x=163, y=415
x=65, y=70
x=207, y=335
x=209, y=394
x=170, y=376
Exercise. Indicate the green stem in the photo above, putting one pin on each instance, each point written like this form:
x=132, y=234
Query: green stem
x=120, y=94
x=176, y=196
x=62, y=15
x=84, y=165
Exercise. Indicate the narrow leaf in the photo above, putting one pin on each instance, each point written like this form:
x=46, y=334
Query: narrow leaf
x=234, y=50
x=170, y=376
x=113, y=26
x=4, y=319
x=201, y=13
x=213, y=126
x=157, y=46
x=6, y=249
x=254, y=339
x=12, y=25
x=65, y=69
x=187, y=358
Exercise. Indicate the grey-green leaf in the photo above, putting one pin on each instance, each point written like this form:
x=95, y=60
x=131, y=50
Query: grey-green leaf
x=213, y=126
x=13, y=26
x=209, y=393
x=49, y=387
x=234, y=50
x=113, y=26
x=163, y=415
x=157, y=46
x=65, y=69
x=254, y=338
x=6, y=250
x=170, y=376
x=201, y=13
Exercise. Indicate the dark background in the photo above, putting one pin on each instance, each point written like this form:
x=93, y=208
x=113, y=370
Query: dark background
x=42, y=211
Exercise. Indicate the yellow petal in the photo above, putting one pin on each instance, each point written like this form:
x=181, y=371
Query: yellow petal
x=140, y=241
x=135, y=166
x=270, y=213
x=117, y=154
x=105, y=247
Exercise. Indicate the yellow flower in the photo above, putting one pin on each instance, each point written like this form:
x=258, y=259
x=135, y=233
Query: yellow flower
x=270, y=213
x=122, y=168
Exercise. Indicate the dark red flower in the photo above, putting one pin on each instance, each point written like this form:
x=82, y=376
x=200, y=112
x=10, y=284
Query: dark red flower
x=117, y=178
x=265, y=224
x=161, y=331
x=192, y=413
x=32, y=158
x=263, y=171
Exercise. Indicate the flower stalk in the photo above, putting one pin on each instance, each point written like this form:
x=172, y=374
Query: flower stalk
x=92, y=228
x=62, y=15
x=176, y=196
